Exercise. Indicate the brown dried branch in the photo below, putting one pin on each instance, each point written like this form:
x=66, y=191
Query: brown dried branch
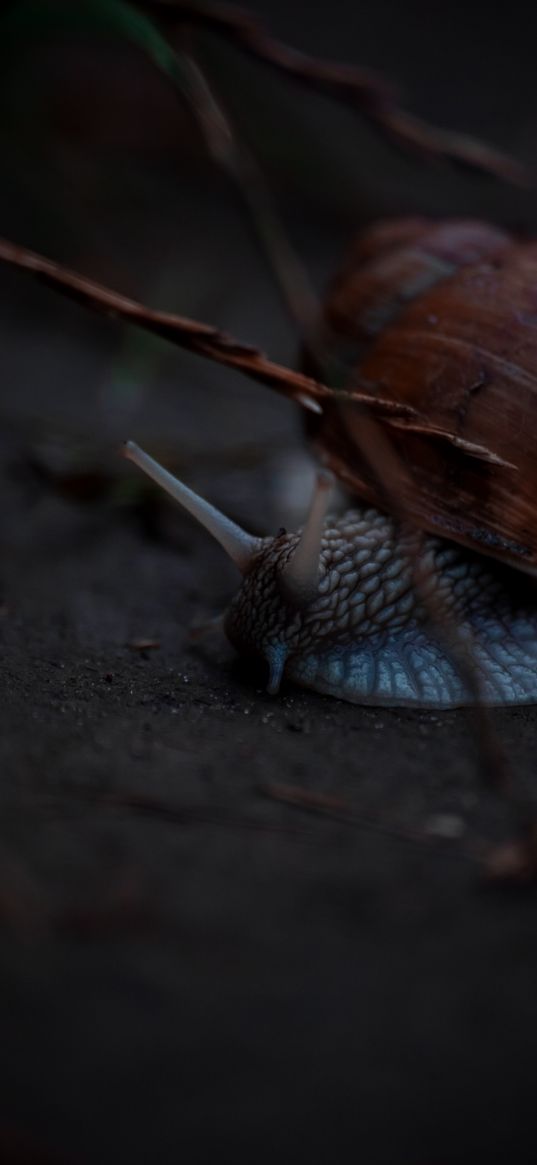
x=191, y=335
x=333, y=808
x=361, y=89
x=220, y=347
x=149, y=807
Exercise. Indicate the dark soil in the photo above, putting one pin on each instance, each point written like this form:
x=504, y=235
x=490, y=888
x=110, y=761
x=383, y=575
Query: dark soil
x=226, y=919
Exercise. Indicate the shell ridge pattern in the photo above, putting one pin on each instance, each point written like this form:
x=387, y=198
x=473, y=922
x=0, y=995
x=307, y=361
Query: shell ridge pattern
x=493, y=359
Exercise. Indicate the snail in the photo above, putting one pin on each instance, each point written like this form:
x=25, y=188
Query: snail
x=440, y=317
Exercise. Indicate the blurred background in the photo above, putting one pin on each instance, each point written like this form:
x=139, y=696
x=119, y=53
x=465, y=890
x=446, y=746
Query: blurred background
x=105, y=170
x=190, y=966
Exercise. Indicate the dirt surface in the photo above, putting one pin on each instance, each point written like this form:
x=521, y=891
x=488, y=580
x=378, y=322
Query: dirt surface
x=231, y=927
x=192, y=956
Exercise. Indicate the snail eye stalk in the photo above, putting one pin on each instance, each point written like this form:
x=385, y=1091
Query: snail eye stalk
x=239, y=546
x=299, y=580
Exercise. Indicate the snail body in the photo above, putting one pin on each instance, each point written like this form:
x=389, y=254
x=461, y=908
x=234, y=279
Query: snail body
x=334, y=608
x=439, y=319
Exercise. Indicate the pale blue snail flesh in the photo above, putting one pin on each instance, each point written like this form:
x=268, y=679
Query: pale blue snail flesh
x=366, y=637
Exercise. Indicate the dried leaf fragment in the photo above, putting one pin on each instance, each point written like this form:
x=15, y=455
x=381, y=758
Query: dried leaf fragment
x=514, y=862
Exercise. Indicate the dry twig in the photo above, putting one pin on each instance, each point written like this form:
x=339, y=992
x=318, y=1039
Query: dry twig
x=231, y=154
x=361, y=89
x=220, y=347
x=395, y=483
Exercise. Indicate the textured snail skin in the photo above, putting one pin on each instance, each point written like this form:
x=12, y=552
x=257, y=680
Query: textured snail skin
x=365, y=637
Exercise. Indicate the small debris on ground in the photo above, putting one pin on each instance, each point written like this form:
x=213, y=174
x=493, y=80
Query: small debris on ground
x=143, y=644
x=448, y=825
x=304, y=799
x=514, y=863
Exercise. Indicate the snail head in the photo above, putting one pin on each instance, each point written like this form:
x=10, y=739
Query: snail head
x=282, y=576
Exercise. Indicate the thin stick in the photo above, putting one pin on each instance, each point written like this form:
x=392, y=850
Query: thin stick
x=191, y=335
x=395, y=482
x=361, y=89
x=240, y=165
x=222, y=348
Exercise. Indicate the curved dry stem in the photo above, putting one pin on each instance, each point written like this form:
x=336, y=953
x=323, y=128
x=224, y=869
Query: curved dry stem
x=362, y=89
x=192, y=335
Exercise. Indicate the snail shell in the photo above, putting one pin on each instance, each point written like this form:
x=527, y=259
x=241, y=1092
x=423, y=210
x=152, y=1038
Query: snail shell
x=442, y=317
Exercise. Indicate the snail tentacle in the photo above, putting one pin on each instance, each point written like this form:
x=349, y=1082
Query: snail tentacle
x=240, y=546
x=299, y=579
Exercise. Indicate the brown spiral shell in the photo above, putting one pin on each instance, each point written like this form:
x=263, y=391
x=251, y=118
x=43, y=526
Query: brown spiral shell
x=442, y=317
